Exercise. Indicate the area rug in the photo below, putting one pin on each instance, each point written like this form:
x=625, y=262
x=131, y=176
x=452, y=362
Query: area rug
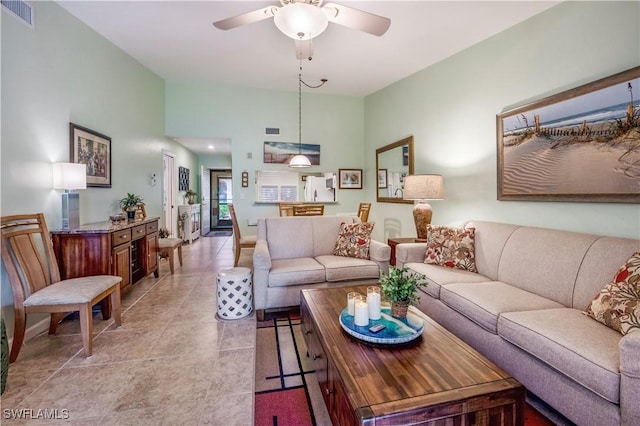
x=220, y=234
x=287, y=391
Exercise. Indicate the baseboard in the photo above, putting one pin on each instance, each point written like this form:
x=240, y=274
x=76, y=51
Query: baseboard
x=34, y=330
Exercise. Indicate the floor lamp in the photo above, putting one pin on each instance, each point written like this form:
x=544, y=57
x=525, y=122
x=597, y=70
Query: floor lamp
x=423, y=188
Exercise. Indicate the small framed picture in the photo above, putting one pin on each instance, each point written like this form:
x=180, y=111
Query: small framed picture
x=350, y=178
x=382, y=178
x=93, y=149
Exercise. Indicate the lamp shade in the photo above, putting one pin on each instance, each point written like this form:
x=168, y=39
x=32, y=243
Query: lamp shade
x=299, y=160
x=423, y=187
x=69, y=176
x=301, y=21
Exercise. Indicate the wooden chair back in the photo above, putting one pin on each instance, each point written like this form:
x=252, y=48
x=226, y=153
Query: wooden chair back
x=27, y=254
x=308, y=210
x=234, y=222
x=363, y=211
x=238, y=242
x=28, y=257
x=286, y=208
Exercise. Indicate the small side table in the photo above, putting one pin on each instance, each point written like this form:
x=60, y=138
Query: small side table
x=234, y=293
x=393, y=242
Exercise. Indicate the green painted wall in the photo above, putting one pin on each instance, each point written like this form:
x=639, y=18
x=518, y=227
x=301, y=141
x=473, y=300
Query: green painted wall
x=334, y=122
x=59, y=72
x=451, y=108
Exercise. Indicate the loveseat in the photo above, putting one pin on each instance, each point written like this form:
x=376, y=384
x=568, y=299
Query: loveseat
x=295, y=253
x=523, y=309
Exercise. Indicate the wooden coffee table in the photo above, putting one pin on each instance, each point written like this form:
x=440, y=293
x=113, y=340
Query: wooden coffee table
x=436, y=380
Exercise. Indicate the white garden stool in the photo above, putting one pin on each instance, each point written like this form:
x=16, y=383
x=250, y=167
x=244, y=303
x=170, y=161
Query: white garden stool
x=235, y=295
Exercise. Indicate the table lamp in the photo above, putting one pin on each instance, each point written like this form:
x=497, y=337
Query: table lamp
x=70, y=176
x=423, y=188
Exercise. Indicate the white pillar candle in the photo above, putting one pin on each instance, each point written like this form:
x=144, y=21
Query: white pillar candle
x=351, y=299
x=361, y=309
x=373, y=301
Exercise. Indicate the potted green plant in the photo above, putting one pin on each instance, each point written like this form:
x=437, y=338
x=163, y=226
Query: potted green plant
x=400, y=288
x=163, y=232
x=191, y=196
x=130, y=203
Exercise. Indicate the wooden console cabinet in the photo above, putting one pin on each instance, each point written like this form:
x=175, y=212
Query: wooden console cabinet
x=129, y=250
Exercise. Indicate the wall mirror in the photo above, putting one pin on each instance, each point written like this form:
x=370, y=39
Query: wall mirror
x=394, y=162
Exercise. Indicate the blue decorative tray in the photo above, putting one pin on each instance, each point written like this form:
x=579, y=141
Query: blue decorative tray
x=396, y=331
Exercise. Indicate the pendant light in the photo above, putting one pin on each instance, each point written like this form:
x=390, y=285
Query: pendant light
x=299, y=160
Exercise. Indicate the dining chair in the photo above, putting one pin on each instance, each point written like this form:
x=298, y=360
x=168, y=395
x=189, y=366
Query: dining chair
x=239, y=241
x=286, y=208
x=363, y=211
x=28, y=256
x=308, y=210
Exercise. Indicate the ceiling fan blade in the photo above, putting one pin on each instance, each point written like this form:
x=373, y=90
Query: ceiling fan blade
x=246, y=18
x=356, y=19
x=304, y=49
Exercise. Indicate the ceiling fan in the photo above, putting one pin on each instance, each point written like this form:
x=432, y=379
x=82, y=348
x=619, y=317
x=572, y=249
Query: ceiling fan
x=303, y=20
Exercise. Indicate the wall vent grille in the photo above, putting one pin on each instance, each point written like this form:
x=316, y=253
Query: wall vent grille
x=19, y=9
x=272, y=131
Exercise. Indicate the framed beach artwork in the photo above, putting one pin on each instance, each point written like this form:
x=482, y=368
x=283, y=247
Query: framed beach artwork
x=281, y=152
x=93, y=149
x=579, y=145
x=350, y=178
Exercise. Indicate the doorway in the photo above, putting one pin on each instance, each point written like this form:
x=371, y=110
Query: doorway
x=169, y=178
x=221, y=197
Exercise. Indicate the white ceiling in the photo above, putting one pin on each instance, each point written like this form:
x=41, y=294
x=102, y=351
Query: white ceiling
x=177, y=41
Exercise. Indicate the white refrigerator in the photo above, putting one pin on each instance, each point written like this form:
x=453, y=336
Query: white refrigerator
x=320, y=188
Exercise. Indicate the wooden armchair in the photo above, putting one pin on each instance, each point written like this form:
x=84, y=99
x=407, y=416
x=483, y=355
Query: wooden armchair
x=239, y=242
x=308, y=210
x=27, y=254
x=363, y=211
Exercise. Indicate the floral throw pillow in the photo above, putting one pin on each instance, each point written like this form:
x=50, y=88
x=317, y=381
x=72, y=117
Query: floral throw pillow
x=452, y=247
x=618, y=304
x=354, y=240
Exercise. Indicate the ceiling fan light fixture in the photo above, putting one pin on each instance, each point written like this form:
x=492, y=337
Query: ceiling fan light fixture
x=301, y=21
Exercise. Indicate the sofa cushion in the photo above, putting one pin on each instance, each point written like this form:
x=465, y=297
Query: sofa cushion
x=289, y=237
x=544, y=261
x=483, y=302
x=571, y=343
x=302, y=270
x=451, y=247
x=354, y=240
x=340, y=268
x=326, y=230
x=618, y=304
x=440, y=275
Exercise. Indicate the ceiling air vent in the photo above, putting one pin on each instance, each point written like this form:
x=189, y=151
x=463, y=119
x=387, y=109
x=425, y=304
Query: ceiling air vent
x=272, y=131
x=21, y=10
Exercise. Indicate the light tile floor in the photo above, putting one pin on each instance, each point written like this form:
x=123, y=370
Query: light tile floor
x=171, y=362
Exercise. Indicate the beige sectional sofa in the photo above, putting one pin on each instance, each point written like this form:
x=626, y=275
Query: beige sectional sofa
x=524, y=311
x=295, y=253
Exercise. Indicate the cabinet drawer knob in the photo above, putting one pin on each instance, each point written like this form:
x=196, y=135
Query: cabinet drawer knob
x=328, y=391
x=316, y=357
